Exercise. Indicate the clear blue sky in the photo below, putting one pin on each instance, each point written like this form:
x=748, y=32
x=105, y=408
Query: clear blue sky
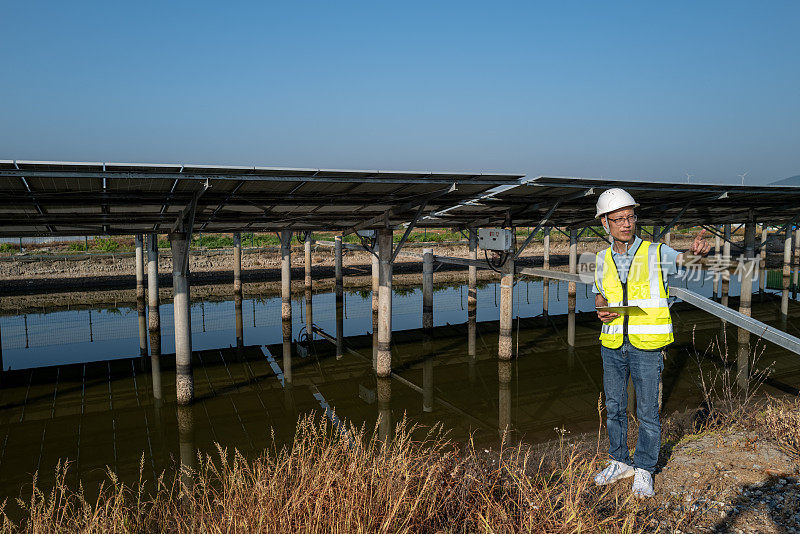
x=597, y=89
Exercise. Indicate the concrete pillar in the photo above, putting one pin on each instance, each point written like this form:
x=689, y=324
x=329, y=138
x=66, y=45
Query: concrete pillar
x=573, y=268
x=376, y=276
x=308, y=288
x=237, y=263
x=668, y=238
x=384, y=390
x=139, y=266
x=726, y=262
x=427, y=289
x=745, y=300
x=153, y=313
x=307, y=261
x=140, y=305
x=237, y=305
x=504, y=397
x=504, y=348
x=181, y=304
x=546, y=265
x=337, y=252
x=472, y=297
x=787, y=269
x=762, y=264
x=286, y=275
x=717, y=258
x=796, y=268
x=384, y=363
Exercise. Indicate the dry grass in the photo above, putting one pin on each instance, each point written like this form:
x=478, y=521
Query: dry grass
x=329, y=481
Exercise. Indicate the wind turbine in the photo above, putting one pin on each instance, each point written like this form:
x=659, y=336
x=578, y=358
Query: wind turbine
x=689, y=176
x=742, y=177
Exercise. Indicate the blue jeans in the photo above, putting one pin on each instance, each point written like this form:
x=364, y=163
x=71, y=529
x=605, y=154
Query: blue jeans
x=644, y=367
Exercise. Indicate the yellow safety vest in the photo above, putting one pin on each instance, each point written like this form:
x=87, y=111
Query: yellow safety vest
x=645, y=288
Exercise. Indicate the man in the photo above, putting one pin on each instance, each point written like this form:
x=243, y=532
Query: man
x=633, y=272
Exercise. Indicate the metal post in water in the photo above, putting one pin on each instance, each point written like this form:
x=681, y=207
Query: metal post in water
x=181, y=306
x=745, y=300
x=153, y=313
x=762, y=264
x=546, y=265
x=339, y=327
x=384, y=363
x=504, y=346
x=286, y=275
x=237, y=263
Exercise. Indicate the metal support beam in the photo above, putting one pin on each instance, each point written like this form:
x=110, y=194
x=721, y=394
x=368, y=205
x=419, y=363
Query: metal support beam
x=410, y=227
x=184, y=381
x=766, y=332
x=536, y=230
x=384, y=360
x=394, y=212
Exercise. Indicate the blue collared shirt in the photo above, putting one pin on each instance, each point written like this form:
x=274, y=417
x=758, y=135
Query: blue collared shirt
x=623, y=260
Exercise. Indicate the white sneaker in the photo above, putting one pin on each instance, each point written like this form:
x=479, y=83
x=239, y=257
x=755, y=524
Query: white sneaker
x=642, y=484
x=614, y=471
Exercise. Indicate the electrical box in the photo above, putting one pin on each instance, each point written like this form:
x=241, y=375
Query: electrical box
x=366, y=233
x=499, y=239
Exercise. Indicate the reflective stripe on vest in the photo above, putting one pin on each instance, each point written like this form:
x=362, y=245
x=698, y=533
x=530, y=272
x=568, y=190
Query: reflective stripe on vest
x=646, y=289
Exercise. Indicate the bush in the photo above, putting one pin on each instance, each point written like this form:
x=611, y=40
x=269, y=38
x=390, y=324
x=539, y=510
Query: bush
x=105, y=244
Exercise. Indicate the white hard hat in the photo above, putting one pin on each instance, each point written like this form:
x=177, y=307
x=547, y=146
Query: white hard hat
x=614, y=199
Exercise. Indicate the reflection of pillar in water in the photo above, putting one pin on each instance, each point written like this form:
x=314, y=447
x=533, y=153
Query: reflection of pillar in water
x=286, y=327
x=186, y=446
x=427, y=376
x=309, y=315
x=339, y=327
x=427, y=327
x=745, y=299
x=504, y=396
x=237, y=304
x=571, y=339
x=716, y=271
x=155, y=372
x=546, y=265
x=472, y=301
x=384, y=387
x=153, y=313
x=286, y=275
x=237, y=263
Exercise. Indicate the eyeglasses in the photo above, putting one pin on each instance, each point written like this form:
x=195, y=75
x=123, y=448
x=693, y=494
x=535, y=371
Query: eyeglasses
x=619, y=220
